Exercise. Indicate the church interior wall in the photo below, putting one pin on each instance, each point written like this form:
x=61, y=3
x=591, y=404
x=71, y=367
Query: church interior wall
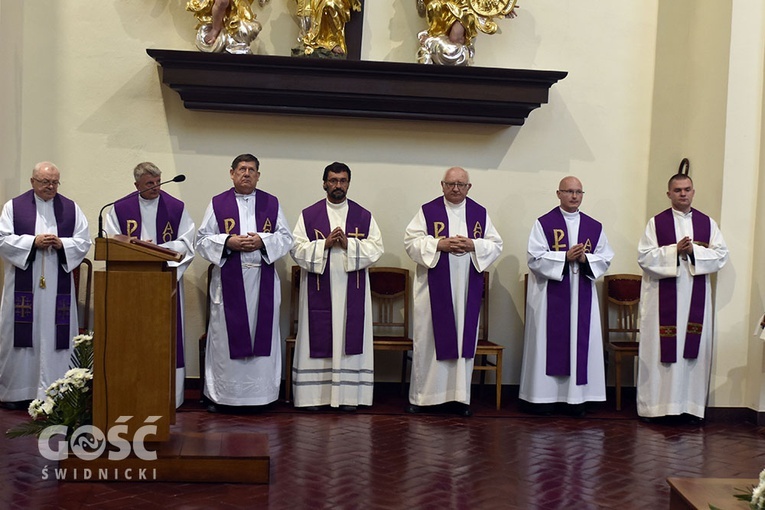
x=91, y=100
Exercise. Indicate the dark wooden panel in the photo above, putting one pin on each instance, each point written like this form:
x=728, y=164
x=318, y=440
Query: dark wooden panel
x=308, y=86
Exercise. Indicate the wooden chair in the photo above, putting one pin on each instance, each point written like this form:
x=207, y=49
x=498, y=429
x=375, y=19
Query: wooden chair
x=389, y=288
x=83, y=274
x=486, y=348
x=390, y=292
x=621, y=294
x=290, y=340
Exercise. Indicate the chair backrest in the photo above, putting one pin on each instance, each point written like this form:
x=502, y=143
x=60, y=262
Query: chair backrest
x=483, y=321
x=390, y=292
x=620, y=307
x=83, y=274
x=294, y=299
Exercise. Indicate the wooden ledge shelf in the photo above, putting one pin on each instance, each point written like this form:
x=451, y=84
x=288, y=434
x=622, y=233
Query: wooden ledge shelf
x=354, y=88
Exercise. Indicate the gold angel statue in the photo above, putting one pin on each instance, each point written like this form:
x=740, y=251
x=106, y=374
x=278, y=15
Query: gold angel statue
x=322, y=27
x=225, y=25
x=453, y=26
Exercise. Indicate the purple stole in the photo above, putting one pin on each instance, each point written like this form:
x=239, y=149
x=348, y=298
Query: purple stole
x=665, y=235
x=319, y=294
x=240, y=343
x=169, y=212
x=440, y=287
x=559, y=298
x=24, y=217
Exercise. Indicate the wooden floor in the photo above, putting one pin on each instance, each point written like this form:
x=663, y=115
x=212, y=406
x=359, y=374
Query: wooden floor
x=382, y=458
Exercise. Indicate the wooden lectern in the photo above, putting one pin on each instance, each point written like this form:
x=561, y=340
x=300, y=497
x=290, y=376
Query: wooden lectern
x=134, y=335
x=134, y=375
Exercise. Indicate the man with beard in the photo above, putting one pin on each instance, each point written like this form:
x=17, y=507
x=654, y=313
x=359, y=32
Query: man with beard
x=335, y=241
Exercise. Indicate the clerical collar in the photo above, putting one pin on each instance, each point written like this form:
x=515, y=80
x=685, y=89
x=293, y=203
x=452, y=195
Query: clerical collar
x=147, y=200
x=453, y=205
x=41, y=201
x=341, y=205
x=243, y=195
x=569, y=214
x=681, y=213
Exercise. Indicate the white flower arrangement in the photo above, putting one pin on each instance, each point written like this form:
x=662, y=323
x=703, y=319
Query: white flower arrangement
x=758, y=494
x=68, y=401
x=753, y=496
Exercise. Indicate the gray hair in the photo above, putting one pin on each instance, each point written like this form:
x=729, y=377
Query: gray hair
x=146, y=168
x=41, y=165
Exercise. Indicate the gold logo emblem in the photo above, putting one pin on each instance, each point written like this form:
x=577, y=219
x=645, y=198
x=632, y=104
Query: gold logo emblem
x=558, y=236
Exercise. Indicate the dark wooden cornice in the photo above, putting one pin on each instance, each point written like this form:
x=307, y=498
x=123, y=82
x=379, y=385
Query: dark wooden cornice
x=309, y=86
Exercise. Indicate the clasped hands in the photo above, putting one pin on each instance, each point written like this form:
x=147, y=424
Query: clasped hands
x=249, y=242
x=456, y=244
x=336, y=237
x=45, y=241
x=685, y=247
x=576, y=253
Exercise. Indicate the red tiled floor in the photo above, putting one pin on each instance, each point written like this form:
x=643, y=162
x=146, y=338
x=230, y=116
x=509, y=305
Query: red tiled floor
x=381, y=458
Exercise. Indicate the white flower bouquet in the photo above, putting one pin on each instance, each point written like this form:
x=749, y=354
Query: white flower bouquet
x=69, y=400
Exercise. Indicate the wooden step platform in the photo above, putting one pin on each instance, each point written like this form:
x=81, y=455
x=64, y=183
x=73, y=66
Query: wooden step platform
x=185, y=457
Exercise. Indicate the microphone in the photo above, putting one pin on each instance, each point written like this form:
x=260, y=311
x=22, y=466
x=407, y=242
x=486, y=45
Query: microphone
x=177, y=178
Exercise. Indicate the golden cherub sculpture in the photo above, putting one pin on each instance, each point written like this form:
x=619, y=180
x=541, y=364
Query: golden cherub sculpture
x=453, y=26
x=225, y=25
x=322, y=27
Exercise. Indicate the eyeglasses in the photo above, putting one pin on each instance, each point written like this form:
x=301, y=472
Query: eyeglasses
x=335, y=182
x=47, y=182
x=459, y=185
x=572, y=192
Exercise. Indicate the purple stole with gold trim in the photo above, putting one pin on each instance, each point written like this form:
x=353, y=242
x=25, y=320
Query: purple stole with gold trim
x=665, y=235
x=558, y=354
x=24, y=218
x=317, y=227
x=440, y=287
x=240, y=343
x=169, y=212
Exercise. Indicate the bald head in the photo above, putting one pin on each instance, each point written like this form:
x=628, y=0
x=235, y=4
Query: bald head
x=455, y=185
x=45, y=180
x=570, y=193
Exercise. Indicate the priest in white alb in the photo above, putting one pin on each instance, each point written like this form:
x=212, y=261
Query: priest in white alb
x=453, y=241
x=336, y=240
x=563, y=345
x=43, y=237
x=243, y=233
x=153, y=215
x=680, y=249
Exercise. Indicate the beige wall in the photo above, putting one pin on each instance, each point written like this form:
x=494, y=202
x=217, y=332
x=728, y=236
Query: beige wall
x=89, y=98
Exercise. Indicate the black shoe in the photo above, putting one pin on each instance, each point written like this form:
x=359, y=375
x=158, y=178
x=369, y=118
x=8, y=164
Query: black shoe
x=313, y=409
x=348, y=409
x=538, y=409
x=577, y=410
x=693, y=420
x=212, y=408
x=463, y=410
x=413, y=409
